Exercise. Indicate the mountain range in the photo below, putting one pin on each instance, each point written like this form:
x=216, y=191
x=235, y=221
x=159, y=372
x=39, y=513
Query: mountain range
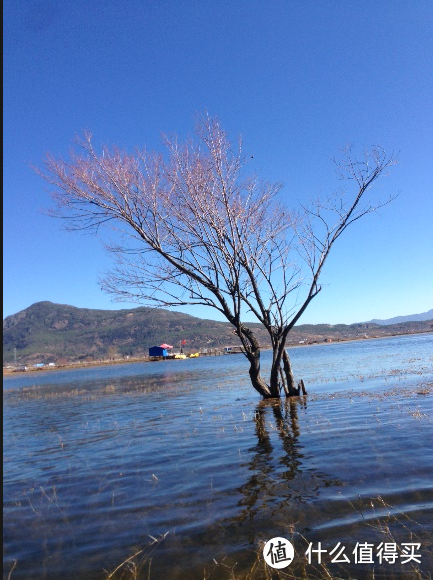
x=48, y=332
x=411, y=318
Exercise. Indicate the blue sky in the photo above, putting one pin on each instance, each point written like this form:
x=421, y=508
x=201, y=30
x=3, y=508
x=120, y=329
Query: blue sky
x=297, y=79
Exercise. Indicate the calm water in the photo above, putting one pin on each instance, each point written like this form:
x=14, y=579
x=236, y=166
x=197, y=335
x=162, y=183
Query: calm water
x=98, y=462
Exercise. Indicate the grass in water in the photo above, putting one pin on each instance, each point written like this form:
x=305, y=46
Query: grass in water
x=376, y=514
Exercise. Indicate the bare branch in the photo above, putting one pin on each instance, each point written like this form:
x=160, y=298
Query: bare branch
x=191, y=228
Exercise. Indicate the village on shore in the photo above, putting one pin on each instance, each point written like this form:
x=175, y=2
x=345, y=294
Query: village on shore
x=182, y=354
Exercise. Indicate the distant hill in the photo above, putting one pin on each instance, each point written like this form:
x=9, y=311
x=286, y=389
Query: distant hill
x=47, y=332
x=57, y=331
x=410, y=318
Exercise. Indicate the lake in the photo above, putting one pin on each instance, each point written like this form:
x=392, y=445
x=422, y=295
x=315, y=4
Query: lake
x=176, y=469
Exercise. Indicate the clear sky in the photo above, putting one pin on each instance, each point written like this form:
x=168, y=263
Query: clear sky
x=298, y=79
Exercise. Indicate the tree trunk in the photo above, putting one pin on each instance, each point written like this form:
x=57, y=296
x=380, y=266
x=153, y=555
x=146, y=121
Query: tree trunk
x=288, y=372
x=252, y=352
x=256, y=380
x=282, y=358
x=274, y=385
x=283, y=382
x=301, y=386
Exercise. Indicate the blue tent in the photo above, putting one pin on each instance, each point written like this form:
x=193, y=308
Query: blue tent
x=157, y=351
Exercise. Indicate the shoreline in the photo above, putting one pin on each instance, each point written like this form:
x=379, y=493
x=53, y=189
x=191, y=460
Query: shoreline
x=145, y=359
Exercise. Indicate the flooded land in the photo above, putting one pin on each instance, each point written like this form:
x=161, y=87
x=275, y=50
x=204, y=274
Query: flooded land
x=176, y=470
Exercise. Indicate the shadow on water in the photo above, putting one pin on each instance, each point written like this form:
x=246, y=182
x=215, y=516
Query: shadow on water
x=283, y=497
x=278, y=479
x=274, y=497
x=272, y=501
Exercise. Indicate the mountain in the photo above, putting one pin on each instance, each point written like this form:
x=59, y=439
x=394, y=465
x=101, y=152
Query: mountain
x=57, y=331
x=410, y=318
x=47, y=332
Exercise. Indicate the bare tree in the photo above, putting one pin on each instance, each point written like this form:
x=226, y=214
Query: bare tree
x=192, y=229
x=313, y=234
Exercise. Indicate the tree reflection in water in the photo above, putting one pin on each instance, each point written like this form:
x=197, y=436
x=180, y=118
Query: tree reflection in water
x=282, y=486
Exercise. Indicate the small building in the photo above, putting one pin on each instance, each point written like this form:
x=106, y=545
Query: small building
x=157, y=351
x=232, y=349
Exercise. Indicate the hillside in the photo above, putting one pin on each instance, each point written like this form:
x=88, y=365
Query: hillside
x=47, y=332
x=56, y=331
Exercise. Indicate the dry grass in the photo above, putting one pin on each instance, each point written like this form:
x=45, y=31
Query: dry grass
x=138, y=565
x=390, y=528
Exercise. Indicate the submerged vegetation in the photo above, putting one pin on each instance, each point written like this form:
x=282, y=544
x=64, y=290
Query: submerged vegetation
x=379, y=516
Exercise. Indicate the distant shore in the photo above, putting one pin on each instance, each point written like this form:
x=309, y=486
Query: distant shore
x=10, y=370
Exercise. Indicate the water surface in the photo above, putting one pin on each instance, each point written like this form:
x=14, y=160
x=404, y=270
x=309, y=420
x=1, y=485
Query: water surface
x=99, y=461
